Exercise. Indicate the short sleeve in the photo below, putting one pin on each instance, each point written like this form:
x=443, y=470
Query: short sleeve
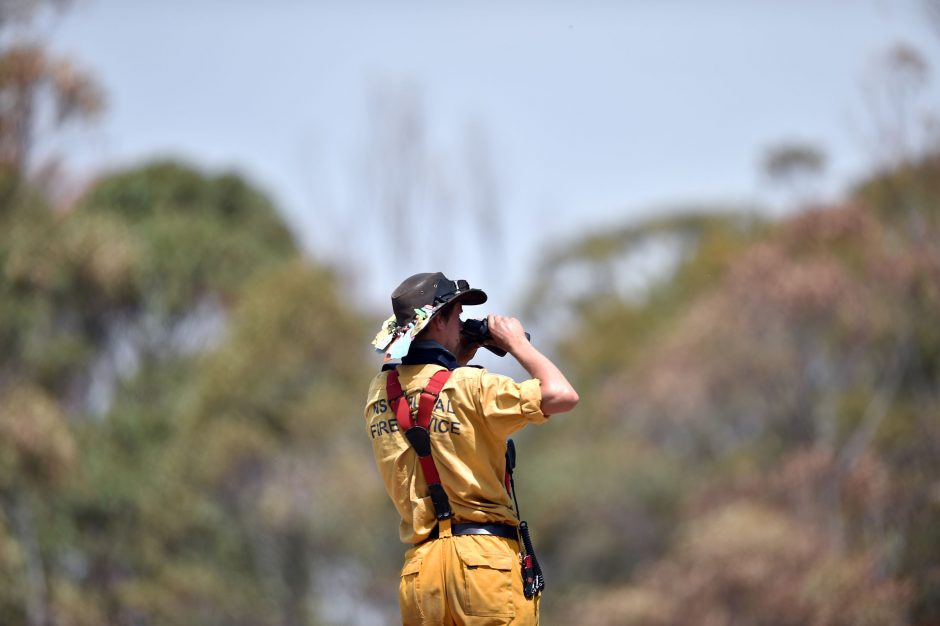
x=507, y=405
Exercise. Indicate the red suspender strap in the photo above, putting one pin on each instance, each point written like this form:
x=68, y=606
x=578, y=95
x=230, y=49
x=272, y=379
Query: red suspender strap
x=418, y=435
x=429, y=397
x=395, y=394
x=425, y=408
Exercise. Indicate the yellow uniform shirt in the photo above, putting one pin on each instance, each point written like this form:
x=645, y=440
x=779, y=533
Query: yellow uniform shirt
x=472, y=418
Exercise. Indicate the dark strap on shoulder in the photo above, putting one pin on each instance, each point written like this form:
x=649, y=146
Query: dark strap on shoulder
x=419, y=435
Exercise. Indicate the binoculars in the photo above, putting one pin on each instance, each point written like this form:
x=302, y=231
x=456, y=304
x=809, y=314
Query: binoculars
x=478, y=331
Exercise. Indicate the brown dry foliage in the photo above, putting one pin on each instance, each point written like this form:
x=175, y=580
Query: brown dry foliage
x=35, y=440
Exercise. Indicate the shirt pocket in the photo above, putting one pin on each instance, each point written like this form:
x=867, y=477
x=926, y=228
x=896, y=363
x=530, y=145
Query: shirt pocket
x=487, y=580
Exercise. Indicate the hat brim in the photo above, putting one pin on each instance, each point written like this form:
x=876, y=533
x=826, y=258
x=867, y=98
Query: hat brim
x=394, y=340
x=470, y=296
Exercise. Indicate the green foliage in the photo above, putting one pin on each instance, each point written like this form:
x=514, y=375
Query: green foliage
x=215, y=500
x=568, y=486
x=197, y=234
x=63, y=277
x=194, y=497
x=270, y=437
x=906, y=197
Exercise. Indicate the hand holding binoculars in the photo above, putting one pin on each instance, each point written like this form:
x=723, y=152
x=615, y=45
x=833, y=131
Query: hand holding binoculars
x=477, y=331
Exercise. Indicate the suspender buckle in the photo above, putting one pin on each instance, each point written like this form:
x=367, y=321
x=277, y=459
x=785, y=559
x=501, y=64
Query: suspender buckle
x=420, y=440
x=440, y=501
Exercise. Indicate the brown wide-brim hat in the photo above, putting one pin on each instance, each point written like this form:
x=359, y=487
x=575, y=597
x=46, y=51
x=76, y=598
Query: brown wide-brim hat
x=414, y=302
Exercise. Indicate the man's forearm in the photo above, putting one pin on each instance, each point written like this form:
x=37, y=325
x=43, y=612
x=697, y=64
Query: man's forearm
x=558, y=396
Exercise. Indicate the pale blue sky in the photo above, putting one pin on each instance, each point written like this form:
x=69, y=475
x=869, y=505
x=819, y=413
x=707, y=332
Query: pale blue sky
x=595, y=112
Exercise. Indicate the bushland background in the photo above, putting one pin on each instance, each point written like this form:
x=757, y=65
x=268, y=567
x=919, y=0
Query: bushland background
x=180, y=385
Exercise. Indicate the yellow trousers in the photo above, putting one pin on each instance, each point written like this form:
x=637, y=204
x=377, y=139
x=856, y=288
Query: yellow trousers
x=470, y=580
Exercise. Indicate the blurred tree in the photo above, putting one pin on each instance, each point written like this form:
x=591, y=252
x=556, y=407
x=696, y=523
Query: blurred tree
x=420, y=201
x=606, y=322
x=39, y=92
x=814, y=340
x=278, y=452
x=892, y=90
x=197, y=240
x=227, y=229
x=29, y=80
x=253, y=488
x=200, y=243
x=905, y=197
x=63, y=277
x=747, y=563
x=141, y=274
x=483, y=193
x=401, y=173
x=36, y=455
x=599, y=282
x=42, y=345
x=795, y=168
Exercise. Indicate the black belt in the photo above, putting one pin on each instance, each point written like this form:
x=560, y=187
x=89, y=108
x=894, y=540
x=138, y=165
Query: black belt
x=499, y=530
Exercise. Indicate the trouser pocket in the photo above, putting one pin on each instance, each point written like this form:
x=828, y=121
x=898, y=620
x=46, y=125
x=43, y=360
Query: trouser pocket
x=487, y=581
x=409, y=593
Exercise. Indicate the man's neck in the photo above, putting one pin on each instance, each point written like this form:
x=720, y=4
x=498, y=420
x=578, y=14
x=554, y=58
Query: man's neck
x=429, y=351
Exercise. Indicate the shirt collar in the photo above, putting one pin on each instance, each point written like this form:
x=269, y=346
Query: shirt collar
x=429, y=352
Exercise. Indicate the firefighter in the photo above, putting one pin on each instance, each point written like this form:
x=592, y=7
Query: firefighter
x=439, y=431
